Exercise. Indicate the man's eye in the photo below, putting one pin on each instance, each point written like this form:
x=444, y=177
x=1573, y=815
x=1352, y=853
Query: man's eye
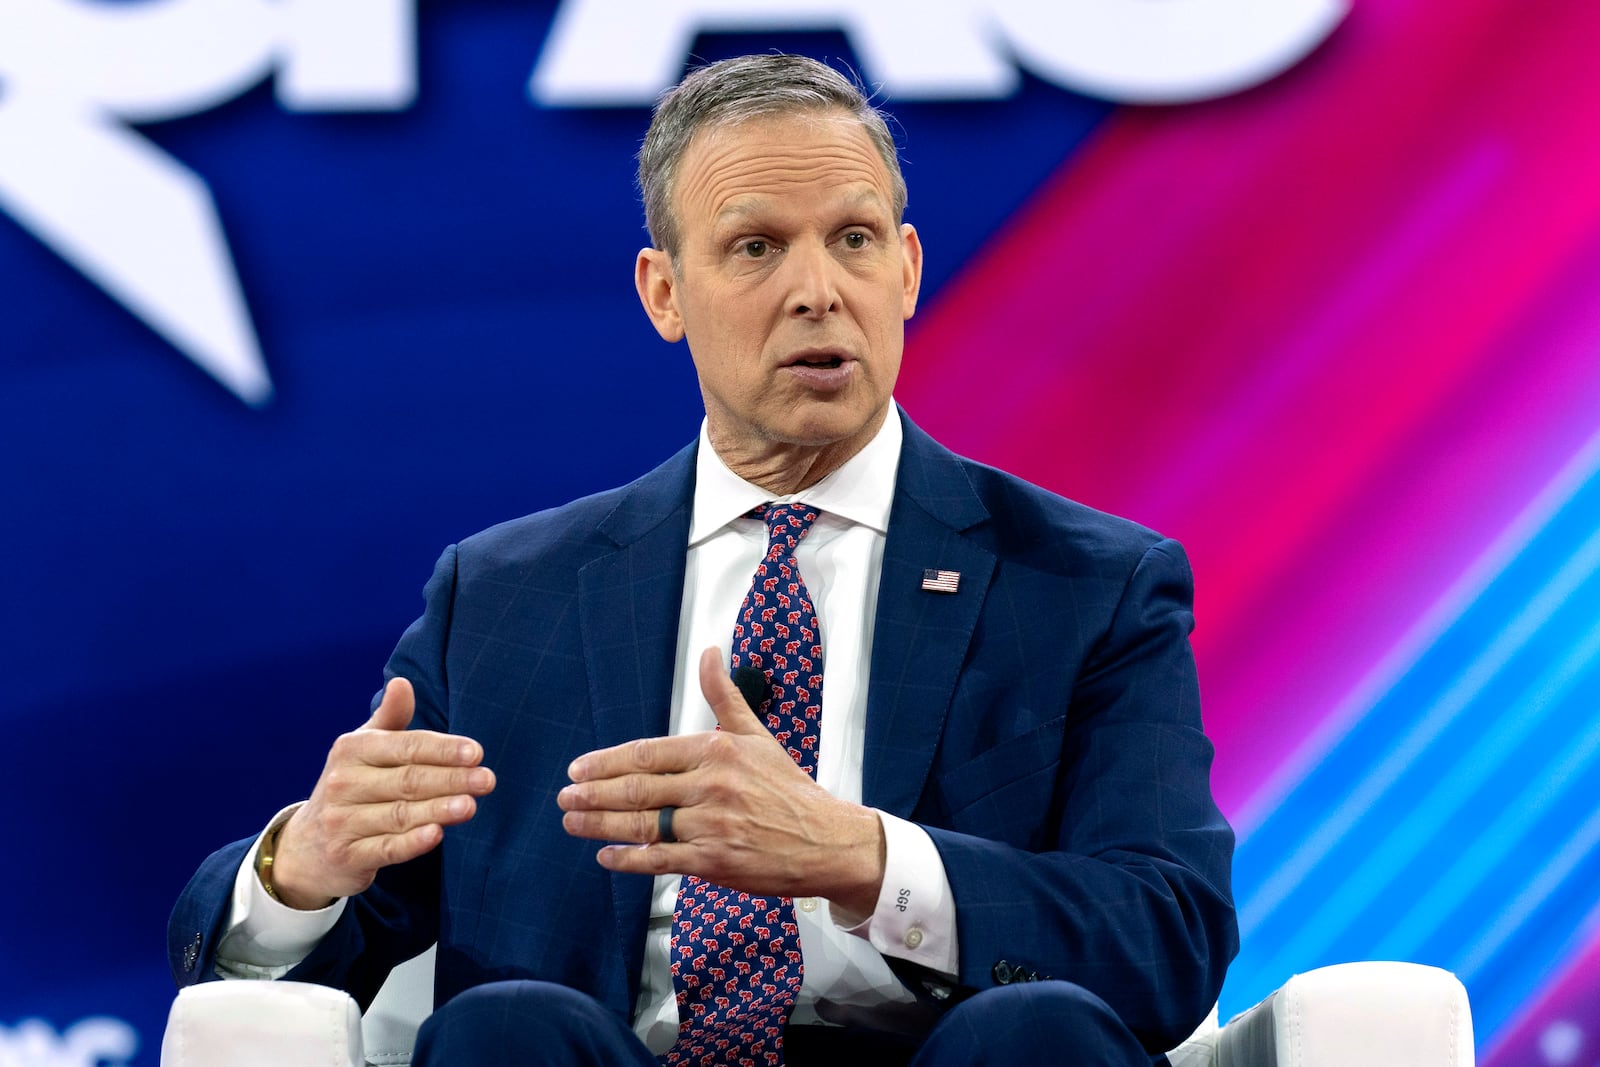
x=754, y=249
x=855, y=240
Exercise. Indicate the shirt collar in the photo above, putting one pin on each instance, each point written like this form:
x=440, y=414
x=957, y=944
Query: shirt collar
x=861, y=491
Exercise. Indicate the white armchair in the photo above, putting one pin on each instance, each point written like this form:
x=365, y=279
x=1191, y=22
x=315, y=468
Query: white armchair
x=1347, y=1015
x=1350, y=1015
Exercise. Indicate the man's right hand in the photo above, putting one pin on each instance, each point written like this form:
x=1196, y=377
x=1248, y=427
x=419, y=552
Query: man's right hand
x=385, y=796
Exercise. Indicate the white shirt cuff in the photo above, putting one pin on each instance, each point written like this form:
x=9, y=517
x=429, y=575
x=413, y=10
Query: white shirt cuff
x=915, y=918
x=265, y=938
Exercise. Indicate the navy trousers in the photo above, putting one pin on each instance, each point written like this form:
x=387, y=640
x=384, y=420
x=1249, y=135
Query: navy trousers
x=542, y=1023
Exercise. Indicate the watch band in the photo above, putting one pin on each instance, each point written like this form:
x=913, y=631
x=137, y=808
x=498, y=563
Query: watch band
x=266, y=852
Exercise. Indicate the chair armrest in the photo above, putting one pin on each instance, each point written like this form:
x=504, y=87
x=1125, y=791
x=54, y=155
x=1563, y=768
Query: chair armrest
x=389, y=1029
x=1347, y=1015
x=262, y=1024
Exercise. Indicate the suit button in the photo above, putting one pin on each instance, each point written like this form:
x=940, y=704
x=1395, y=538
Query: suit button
x=1002, y=973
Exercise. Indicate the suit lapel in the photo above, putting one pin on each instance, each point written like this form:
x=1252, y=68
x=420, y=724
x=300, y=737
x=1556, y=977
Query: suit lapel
x=628, y=606
x=920, y=638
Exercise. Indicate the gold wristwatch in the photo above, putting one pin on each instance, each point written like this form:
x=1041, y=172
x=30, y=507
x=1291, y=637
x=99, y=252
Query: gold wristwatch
x=265, y=854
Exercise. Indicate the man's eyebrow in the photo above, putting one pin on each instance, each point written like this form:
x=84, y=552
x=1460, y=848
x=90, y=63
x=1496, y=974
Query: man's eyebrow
x=865, y=198
x=752, y=206
x=746, y=208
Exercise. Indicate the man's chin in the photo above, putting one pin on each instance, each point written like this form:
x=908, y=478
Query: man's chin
x=824, y=426
x=804, y=424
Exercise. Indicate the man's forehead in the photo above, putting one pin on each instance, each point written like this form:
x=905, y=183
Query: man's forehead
x=744, y=166
x=763, y=123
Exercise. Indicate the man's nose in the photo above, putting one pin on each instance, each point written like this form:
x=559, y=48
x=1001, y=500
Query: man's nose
x=813, y=288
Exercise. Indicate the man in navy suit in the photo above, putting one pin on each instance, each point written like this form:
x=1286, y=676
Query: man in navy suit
x=992, y=838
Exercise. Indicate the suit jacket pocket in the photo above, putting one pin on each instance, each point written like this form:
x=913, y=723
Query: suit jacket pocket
x=1004, y=791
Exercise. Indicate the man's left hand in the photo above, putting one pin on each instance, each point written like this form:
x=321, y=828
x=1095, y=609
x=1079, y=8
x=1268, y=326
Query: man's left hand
x=747, y=816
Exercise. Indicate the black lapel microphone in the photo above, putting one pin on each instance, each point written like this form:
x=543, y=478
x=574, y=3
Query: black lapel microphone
x=752, y=683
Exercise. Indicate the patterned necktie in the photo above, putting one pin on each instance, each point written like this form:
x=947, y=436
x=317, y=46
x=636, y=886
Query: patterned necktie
x=736, y=963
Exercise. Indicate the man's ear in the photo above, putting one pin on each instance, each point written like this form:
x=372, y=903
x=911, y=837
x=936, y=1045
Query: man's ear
x=657, y=286
x=910, y=269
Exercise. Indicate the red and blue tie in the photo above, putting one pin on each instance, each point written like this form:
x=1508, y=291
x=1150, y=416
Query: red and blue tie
x=736, y=963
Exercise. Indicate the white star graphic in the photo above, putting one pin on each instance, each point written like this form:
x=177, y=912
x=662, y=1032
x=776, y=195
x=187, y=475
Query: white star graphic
x=137, y=223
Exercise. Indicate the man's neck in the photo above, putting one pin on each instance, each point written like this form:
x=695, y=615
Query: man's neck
x=783, y=468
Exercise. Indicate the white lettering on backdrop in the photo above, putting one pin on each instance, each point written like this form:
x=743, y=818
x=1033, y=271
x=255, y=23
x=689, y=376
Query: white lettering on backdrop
x=99, y=1041
x=142, y=226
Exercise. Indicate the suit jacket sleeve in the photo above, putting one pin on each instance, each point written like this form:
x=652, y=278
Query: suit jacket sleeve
x=1123, y=885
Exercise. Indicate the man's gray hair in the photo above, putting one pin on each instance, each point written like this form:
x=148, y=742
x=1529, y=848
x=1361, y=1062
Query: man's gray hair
x=732, y=91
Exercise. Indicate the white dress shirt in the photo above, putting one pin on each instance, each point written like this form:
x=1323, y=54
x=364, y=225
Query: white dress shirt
x=846, y=978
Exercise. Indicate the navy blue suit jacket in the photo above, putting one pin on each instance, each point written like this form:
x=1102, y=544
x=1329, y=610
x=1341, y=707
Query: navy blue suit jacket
x=1042, y=724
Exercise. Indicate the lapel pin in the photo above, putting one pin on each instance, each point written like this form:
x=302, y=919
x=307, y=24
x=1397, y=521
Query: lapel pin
x=940, y=581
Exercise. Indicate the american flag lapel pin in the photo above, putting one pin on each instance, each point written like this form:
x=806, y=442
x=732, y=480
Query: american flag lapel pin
x=940, y=581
